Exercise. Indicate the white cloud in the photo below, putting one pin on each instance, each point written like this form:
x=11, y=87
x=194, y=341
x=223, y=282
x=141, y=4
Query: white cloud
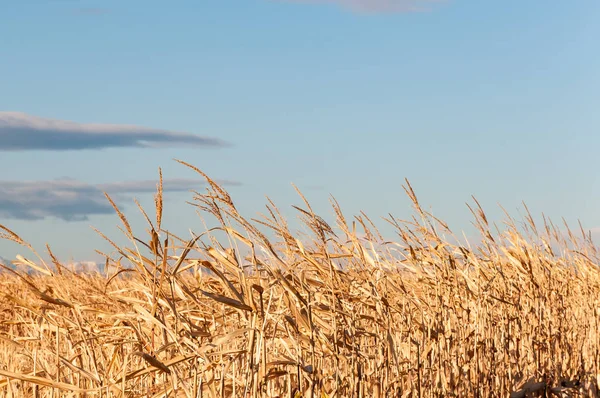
x=378, y=5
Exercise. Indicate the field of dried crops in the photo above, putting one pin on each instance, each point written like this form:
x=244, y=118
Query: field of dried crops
x=336, y=313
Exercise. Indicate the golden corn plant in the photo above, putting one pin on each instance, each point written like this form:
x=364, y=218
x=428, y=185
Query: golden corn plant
x=339, y=313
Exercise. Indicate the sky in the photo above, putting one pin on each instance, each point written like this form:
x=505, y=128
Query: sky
x=341, y=97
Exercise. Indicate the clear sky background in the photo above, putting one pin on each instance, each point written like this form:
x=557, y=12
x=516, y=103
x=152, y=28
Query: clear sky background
x=497, y=99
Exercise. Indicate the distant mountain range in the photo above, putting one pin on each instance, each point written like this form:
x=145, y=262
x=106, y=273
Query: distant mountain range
x=78, y=266
x=5, y=261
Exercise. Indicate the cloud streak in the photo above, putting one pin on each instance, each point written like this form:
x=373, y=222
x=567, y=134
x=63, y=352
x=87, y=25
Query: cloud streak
x=73, y=200
x=377, y=5
x=91, y=11
x=23, y=132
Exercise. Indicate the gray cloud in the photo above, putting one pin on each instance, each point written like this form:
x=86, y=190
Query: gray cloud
x=73, y=200
x=23, y=132
x=378, y=5
x=149, y=186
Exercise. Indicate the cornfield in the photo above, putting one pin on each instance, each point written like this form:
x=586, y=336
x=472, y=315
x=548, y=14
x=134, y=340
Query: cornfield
x=338, y=312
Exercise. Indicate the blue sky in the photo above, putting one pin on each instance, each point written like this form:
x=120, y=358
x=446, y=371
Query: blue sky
x=462, y=97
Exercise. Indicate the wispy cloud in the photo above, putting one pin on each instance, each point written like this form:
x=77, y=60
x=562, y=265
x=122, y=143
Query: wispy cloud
x=149, y=186
x=91, y=11
x=378, y=5
x=73, y=200
x=23, y=132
